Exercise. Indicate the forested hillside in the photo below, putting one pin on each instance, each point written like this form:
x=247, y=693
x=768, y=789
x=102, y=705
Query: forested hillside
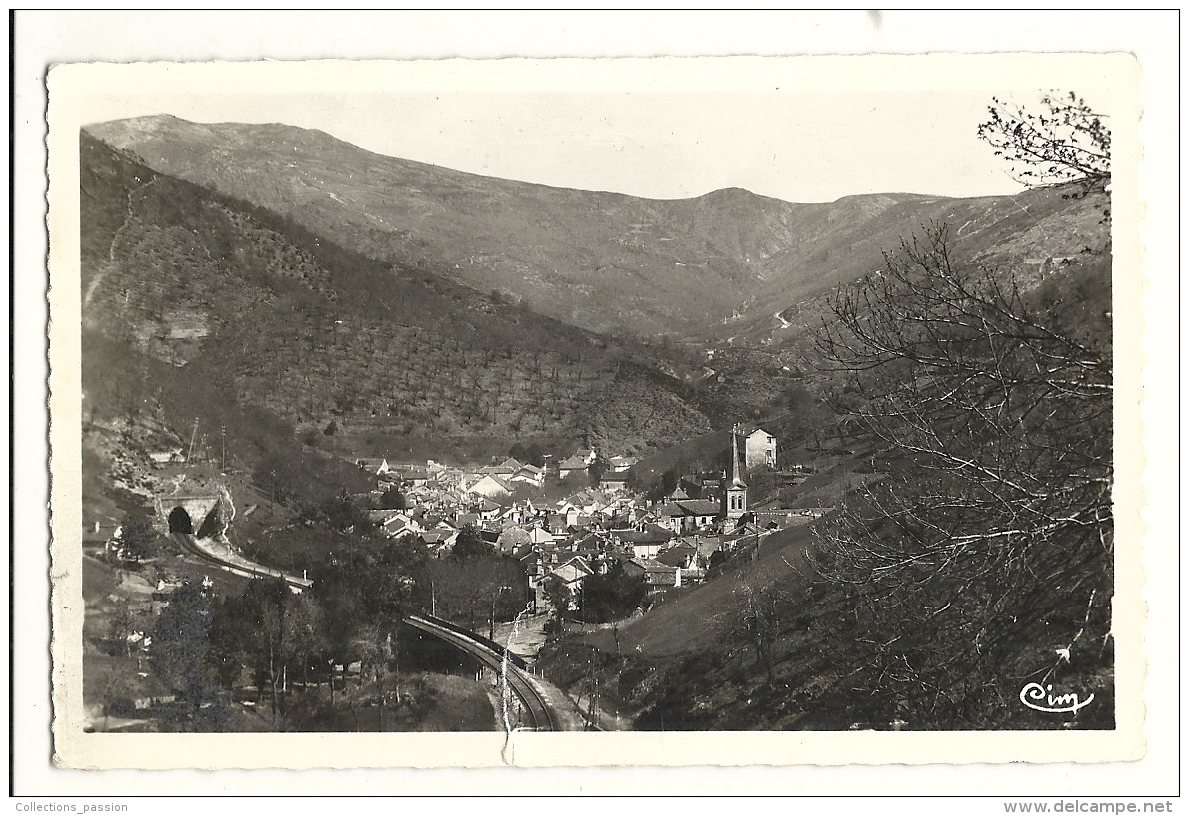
x=315, y=334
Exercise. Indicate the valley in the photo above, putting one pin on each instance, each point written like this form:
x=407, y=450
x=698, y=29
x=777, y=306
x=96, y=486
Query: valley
x=430, y=393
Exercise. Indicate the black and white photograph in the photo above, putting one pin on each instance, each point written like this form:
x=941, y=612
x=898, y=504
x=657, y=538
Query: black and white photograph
x=695, y=399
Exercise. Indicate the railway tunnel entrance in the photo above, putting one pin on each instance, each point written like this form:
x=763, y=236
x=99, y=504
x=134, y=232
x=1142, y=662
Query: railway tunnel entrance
x=203, y=516
x=179, y=521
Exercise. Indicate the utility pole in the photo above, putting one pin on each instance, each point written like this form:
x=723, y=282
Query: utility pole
x=193, y=436
x=223, y=444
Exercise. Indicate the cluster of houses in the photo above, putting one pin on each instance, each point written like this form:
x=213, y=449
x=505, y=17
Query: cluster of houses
x=670, y=542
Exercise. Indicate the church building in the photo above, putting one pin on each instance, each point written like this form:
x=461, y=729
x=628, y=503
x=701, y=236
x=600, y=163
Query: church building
x=735, y=489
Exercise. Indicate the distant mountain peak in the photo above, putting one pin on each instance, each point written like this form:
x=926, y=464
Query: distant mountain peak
x=599, y=260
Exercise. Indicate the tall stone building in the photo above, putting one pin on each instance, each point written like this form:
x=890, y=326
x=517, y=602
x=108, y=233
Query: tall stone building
x=759, y=448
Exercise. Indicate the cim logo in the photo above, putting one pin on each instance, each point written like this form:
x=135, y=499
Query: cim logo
x=1041, y=698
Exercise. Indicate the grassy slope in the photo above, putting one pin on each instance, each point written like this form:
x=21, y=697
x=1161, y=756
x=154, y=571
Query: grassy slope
x=702, y=616
x=685, y=666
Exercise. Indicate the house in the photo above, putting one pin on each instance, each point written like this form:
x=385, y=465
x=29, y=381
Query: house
x=587, y=456
x=621, y=464
x=682, y=556
x=376, y=467
x=648, y=542
x=539, y=536
x=506, y=469
x=706, y=545
x=658, y=576
x=701, y=512
x=571, y=572
x=774, y=519
x=512, y=539
x=614, y=482
x=671, y=515
x=690, y=514
x=401, y=524
x=590, y=544
x=467, y=520
x=678, y=494
x=488, y=509
x=440, y=541
x=558, y=524
x=691, y=487
x=573, y=465
x=165, y=457
x=490, y=486
x=759, y=448
x=529, y=474
x=415, y=475
x=512, y=515
x=711, y=482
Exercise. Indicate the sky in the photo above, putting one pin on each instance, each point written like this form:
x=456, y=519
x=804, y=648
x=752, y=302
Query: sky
x=795, y=145
x=803, y=129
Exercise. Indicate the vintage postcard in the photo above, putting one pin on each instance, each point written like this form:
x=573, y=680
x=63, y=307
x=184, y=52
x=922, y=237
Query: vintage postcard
x=716, y=411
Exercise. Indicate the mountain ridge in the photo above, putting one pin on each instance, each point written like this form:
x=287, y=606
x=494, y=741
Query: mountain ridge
x=605, y=261
x=729, y=264
x=335, y=338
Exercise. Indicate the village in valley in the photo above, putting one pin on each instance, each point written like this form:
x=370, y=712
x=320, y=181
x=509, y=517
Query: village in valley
x=670, y=543
x=372, y=444
x=563, y=524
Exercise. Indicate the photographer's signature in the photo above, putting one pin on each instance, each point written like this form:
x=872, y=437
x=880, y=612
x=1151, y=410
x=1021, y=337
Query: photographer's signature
x=1041, y=698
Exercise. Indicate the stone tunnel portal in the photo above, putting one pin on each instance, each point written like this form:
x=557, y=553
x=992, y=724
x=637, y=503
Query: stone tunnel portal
x=179, y=521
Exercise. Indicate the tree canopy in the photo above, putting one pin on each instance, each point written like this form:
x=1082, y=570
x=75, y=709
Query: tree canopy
x=613, y=595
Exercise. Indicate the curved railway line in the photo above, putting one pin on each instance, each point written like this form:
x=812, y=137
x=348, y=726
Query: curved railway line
x=508, y=666
x=505, y=664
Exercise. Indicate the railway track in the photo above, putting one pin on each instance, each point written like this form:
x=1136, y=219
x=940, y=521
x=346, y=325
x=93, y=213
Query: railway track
x=241, y=567
x=508, y=666
x=505, y=664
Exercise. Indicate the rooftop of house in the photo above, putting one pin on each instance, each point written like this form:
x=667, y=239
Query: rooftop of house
x=701, y=507
x=497, y=479
x=651, y=534
x=651, y=567
x=514, y=537
x=677, y=556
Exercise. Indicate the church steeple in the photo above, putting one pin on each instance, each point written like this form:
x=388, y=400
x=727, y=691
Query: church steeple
x=735, y=492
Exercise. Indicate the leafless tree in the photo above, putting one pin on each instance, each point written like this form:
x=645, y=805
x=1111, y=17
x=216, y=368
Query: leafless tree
x=994, y=526
x=758, y=619
x=1060, y=140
